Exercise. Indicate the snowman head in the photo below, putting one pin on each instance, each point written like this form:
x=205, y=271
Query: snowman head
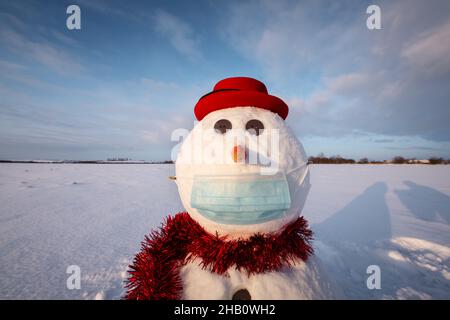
x=241, y=170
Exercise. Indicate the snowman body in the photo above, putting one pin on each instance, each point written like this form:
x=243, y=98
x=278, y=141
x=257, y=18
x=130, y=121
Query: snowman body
x=302, y=280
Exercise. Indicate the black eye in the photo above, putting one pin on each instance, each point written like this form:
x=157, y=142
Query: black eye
x=222, y=126
x=254, y=127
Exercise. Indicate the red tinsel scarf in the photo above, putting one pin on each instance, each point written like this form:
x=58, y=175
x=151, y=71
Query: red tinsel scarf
x=154, y=273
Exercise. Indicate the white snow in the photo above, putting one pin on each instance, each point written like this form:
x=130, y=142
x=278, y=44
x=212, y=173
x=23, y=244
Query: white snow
x=95, y=216
x=90, y=215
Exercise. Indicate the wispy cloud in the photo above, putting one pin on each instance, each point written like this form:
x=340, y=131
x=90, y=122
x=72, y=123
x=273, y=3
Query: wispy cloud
x=383, y=140
x=43, y=52
x=430, y=51
x=179, y=33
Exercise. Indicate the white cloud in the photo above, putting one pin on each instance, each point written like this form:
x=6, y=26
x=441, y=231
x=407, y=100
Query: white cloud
x=180, y=34
x=430, y=51
x=348, y=83
x=57, y=59
x=150, y=136
x=8, y=66
x=288, y=38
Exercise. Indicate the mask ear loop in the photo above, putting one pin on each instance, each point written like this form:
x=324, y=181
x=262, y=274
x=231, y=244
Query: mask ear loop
x=304, y=164
x=300, y=186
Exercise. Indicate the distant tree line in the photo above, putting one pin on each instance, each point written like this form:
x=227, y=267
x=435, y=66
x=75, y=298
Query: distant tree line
x=432, y=160
x=108, y=161
x=118, y=159
x=321, y=159
x=335, y=159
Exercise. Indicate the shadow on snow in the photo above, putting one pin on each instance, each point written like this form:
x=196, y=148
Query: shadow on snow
x=359, y=235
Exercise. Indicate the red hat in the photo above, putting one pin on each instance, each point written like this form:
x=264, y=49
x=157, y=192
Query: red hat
x=239, y=92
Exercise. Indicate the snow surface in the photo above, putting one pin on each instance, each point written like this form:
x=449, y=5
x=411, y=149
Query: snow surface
x=95, y=216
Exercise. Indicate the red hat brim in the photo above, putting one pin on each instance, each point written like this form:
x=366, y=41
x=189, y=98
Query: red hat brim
x=218, y=100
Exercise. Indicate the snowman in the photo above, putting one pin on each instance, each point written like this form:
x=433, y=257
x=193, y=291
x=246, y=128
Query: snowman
x=243, y=179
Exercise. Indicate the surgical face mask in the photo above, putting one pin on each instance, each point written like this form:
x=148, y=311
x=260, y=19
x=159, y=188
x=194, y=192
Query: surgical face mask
x=241, y=199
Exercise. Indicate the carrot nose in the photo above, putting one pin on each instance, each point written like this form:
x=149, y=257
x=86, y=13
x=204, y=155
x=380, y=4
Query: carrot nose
x=239, y=153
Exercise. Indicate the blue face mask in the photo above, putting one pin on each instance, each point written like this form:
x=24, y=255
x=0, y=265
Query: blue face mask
x=241, y=199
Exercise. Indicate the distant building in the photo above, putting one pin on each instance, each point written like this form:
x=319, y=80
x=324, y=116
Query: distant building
x=424, y=161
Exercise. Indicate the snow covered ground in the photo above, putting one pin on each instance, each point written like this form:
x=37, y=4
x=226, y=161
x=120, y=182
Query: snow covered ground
x=94, y=216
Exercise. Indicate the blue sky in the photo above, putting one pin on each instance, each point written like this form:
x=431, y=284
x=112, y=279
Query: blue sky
x=133, y=73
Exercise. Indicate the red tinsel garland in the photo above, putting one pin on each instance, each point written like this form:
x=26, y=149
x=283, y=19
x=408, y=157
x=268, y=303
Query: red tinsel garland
x=155, y=270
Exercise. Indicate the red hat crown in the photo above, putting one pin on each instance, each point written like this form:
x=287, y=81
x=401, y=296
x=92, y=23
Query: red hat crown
x=239, y=92
x=241, y=83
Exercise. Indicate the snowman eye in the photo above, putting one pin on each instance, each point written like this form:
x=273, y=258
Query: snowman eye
x=222, y=126
x=254, y=127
